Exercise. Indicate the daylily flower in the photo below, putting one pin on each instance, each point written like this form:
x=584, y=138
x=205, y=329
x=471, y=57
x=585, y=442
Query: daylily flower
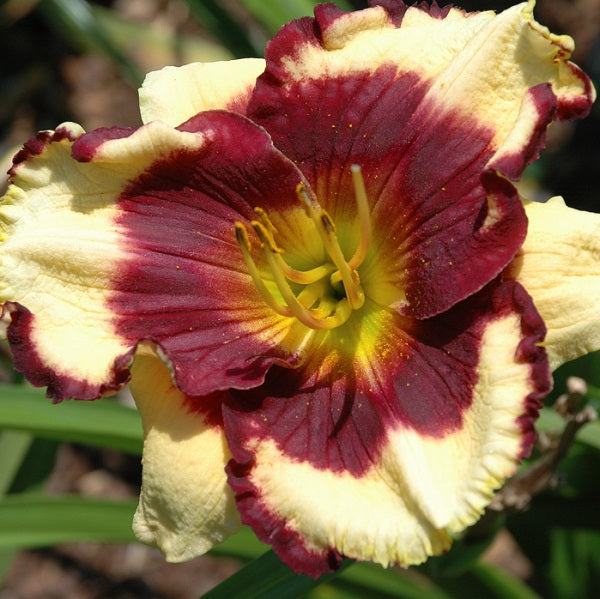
x=329, y=292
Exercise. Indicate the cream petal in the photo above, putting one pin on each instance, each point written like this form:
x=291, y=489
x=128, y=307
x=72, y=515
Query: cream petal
x=364, y=518
x=186, y=506
x=453, y=478
x=120, y=235
x=386, y=457
x=175, y=94
x=59, y=251
x=559, y=265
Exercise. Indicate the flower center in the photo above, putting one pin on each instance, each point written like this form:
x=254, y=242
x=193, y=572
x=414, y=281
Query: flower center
x=330, y=292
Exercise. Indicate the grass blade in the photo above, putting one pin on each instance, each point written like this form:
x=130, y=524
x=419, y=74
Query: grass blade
x=267, y=578
x=41, y=521
x=14, y=446
x=102, y=423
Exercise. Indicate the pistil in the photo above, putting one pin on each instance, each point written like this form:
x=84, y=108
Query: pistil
x=364, y=218
x=315, y=305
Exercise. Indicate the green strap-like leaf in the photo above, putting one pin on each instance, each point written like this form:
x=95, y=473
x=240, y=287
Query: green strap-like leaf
x=272, y=14
x=487, y=581
x=365, y=579
x=102, y=423
x=371, y=580
x=13, y=449
x=267, y=578
x=40, y=521
x=500, y=584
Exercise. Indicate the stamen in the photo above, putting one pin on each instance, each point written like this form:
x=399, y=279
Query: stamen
x=326, y=229
x=364, y=218
x=266, y=221
x=310, y=318
x=316, y=304
x=304, y=277
x=242, y=238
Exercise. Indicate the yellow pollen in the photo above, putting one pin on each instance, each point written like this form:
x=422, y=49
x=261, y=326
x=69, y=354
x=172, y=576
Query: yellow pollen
x=332, y=290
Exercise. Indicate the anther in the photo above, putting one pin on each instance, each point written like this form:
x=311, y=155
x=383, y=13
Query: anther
x=326, y=229
x=317, y=304
x=304, y=277
x=266, y=221
x=242, y=238
x=312, y=319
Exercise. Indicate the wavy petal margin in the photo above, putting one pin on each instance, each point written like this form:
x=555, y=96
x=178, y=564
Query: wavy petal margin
x=431, y=104
x=558, y=265
x=380, y=458
x=117, y=236
x=175, y=94
x=186, y=506
x=451, y=50
x=60, y=289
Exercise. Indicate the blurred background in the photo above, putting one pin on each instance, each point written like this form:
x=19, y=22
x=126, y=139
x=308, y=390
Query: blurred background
x=83, y=61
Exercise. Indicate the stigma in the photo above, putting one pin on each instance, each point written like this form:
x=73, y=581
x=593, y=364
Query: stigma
x=323, y=297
